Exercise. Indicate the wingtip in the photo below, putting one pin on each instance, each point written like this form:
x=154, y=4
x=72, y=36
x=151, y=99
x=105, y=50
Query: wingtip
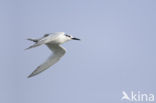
x=28, y=39
x=31, y=75
x=28, y=77
x=26, y=48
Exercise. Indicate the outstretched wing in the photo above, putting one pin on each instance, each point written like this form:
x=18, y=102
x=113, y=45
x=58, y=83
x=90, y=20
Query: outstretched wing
x=58, y=52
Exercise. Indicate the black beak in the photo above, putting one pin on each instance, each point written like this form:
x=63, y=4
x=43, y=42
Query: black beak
x=75, y=39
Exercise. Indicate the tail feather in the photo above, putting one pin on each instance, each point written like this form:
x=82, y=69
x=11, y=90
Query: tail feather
x=38, y=42
x=34, y=40
x=32, y=46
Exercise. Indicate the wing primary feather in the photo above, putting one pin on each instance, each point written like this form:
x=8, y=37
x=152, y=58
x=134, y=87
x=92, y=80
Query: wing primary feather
x=58, y=52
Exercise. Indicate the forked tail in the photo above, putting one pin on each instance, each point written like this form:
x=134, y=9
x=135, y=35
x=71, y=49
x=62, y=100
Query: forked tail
x=34, y=45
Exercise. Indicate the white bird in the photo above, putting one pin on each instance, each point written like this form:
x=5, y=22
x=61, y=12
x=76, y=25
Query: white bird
x=53, y=42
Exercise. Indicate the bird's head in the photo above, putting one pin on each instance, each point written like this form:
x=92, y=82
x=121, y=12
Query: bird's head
x=69, y=37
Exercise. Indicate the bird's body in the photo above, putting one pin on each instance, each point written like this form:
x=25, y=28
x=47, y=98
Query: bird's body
x=52, y=41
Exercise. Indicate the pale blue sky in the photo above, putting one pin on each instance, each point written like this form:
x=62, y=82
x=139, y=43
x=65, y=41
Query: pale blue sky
x=117, y=51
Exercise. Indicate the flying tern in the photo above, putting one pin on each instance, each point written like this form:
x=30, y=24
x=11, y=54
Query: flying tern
x=52, y=41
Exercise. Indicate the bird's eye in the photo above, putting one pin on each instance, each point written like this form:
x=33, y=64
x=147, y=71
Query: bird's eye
x=68, y=35
x=46, y=35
